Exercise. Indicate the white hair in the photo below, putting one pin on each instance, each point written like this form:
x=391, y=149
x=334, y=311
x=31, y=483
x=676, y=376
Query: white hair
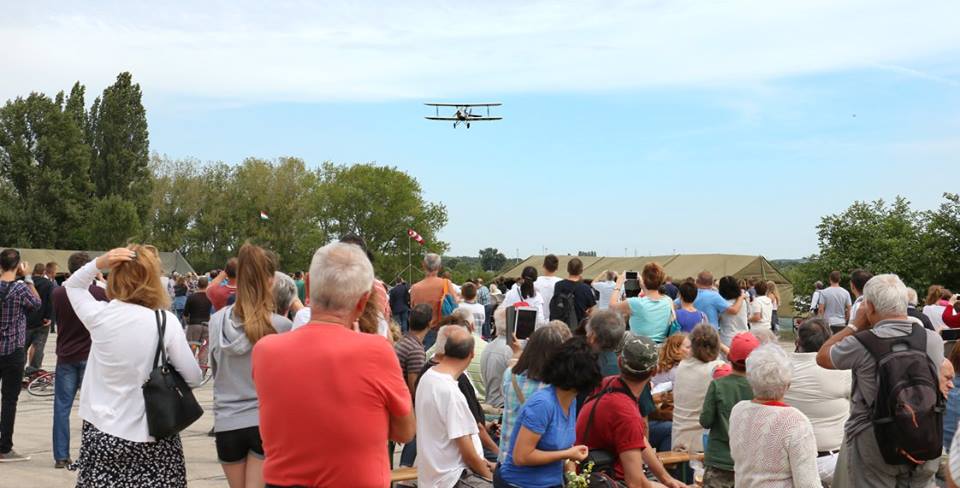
x=765, y=336
x=911, y=296
x=465, y=315
x=887, y=294
x=442, y=334
x=769, y=372
x=340, y=275
x=432, y=262
x=500, y=321
x=284, y=291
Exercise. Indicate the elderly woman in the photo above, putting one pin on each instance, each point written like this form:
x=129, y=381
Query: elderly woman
x=690, y=388
x=116, y=448
x=285, y=296
x=772, y=443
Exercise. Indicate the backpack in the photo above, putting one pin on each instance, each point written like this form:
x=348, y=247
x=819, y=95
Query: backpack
x=563, y=307
x=908, y=410
x=447, y=304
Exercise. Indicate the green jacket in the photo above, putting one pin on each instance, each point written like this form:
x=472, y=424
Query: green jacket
x=722, y=395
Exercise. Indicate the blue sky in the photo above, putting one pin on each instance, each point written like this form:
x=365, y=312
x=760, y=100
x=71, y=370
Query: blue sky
x=654, y=127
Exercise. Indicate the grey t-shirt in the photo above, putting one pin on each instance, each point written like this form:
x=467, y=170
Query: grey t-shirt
x=850, y=354
x=835, y=301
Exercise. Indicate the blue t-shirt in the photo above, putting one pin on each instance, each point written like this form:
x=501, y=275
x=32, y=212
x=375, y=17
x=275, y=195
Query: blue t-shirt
x=688, y=320
x=650, y=317
x=542, y=414
x=711, y=303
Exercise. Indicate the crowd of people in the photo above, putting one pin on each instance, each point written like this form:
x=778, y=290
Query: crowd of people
x=323, y=381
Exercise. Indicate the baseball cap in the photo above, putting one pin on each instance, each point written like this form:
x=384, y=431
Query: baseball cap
x=639, y=354
x=721, y=371
x=742, y=345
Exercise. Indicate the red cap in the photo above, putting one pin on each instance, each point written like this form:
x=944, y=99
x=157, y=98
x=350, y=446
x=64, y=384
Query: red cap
x=721, y=371
x=742, y=345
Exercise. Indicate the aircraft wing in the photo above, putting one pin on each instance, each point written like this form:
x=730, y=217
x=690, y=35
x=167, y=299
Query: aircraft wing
x=471, y=119
x=493, y=104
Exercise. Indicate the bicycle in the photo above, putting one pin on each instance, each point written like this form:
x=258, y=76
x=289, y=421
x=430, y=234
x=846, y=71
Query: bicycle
x=200, y=350
x=41, y=384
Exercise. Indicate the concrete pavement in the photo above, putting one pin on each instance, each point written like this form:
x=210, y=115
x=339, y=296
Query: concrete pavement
x=33, y=433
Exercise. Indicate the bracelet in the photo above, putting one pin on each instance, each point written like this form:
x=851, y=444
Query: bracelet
x=853, y=328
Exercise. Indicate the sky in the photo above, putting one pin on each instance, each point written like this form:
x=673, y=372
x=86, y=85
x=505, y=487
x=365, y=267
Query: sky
x=630, y=127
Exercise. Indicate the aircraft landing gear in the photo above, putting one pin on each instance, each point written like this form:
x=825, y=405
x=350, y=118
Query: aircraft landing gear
x=468, y=125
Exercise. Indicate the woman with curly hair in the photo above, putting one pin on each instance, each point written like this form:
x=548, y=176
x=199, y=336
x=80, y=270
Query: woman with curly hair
x=545, y=432
x=672, y=353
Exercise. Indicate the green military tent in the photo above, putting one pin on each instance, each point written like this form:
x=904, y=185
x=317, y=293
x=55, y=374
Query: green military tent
x=172, y=261
x=679, y=267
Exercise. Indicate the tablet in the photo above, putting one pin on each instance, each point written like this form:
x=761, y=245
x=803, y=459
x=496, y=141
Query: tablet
x=526, y=322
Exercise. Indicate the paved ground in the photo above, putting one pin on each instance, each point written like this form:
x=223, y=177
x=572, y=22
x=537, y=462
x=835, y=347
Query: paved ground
x=33, y=432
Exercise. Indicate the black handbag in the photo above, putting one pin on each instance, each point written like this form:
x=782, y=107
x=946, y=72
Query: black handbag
x=168, y=400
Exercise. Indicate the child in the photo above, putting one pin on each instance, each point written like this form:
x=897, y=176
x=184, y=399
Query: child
x=722, y=395
x=687, y=315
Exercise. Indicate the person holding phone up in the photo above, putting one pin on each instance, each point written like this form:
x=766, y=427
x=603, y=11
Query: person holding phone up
x=650, y=315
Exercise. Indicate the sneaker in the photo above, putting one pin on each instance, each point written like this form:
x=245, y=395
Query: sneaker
x=63, y=463
x=12, y=457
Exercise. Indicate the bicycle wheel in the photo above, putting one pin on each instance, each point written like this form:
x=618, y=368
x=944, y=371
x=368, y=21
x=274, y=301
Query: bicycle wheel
x=42, y=386
x=205, y=375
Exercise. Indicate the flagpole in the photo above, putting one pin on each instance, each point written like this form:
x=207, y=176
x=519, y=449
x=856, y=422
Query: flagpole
x=409, y=262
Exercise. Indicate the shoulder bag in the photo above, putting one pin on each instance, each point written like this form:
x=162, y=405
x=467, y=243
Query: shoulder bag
x=168, y=400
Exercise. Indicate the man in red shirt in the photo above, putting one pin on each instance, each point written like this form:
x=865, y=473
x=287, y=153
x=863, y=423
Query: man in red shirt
x=219, y=292
x=611, y=418
x=330, y=397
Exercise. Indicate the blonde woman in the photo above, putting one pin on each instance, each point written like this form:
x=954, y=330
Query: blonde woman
x=233, y=332
x=116, y=449
x=774, y=296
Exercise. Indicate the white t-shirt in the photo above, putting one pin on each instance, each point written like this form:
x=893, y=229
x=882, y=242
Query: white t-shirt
x=442, y=417
x=855, y=307
x=764, y=306
x=536, y=301
x=823, y=395
x=544, y=287
x=605, y=288
x=478, y=311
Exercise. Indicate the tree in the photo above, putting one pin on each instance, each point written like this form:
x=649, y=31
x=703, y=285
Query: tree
x=942, y=242
x=44, y=181
x=117, y=126
x=920, y=247
x=113, y=222
x=491, y=259
x=378, y=203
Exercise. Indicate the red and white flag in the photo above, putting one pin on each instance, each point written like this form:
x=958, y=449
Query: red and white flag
x=264, y=216
x=417, y=237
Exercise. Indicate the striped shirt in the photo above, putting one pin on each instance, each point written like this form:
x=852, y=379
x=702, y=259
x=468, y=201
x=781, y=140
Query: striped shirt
x=17, y=301
x=410, y=352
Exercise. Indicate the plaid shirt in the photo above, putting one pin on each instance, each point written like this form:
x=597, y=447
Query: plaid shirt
x=17, y=302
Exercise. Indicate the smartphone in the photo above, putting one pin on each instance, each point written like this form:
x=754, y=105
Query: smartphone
x=526, y=322
x=631, y=275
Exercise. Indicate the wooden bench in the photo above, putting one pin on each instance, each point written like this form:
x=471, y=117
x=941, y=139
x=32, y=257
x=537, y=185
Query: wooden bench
x=667, y=458
x=403, y=474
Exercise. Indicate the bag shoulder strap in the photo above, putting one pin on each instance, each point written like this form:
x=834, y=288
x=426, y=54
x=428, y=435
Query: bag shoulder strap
x=160, y=358
x=880, y=347
x=596, y=398
x=516, y=388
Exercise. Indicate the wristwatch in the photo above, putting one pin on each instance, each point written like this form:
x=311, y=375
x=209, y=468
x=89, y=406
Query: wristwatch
x=853, y=328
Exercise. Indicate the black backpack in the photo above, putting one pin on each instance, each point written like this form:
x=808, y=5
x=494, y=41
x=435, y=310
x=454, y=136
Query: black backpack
x=908, y=411
x=563, y=307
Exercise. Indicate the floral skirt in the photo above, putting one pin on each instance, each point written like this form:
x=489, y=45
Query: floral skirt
x=106, y=460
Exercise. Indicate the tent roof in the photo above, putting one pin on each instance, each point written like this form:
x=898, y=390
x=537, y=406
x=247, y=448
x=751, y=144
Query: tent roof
x=172, y=261
x=678, y=266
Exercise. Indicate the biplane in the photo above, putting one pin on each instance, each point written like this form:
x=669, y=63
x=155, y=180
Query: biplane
x=464, y=113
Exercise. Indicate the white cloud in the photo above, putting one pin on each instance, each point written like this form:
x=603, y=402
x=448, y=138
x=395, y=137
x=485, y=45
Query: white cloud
x=307, y=51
